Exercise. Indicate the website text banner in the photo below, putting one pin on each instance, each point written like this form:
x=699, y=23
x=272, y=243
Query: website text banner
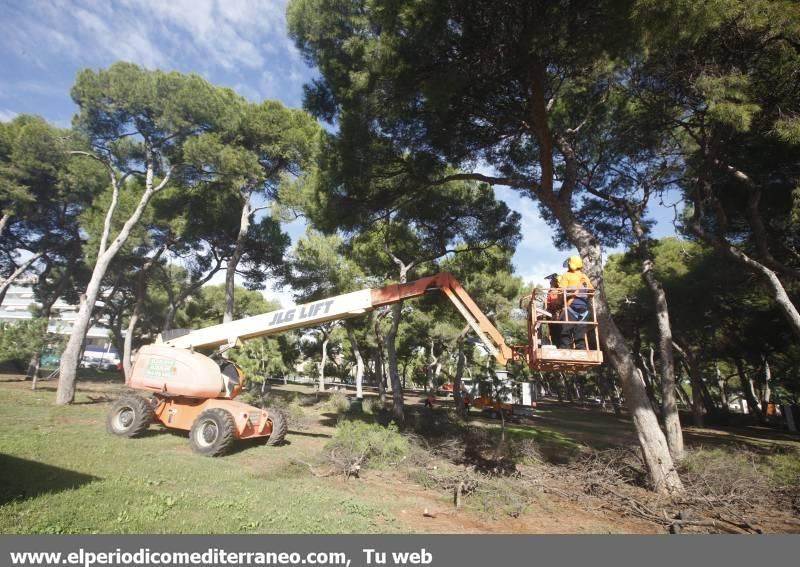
x=392, y=551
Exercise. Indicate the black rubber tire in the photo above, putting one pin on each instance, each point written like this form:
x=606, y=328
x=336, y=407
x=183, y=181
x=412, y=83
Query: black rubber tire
x=212, y=432
x=280, y=426
x=130, y=416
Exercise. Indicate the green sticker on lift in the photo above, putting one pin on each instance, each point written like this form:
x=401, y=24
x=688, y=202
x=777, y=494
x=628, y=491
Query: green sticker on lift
x=160, y=368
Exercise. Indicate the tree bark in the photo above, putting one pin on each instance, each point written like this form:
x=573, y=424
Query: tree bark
x=647, y=379
x=68, y=371
x=767, y=397
x=381, y=384
x=460, y=360
x=692, y=369
x=681, y=393
x=669, y=408
x=662, y=473
x=431, y=369
x=325, y=340
x=723, y=391
x=398, y=413
x=351, y=335
x=748, y=391
x=233, y=261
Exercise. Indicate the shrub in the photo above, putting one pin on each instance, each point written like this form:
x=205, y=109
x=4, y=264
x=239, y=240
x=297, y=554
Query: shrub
x=371, y=406
x=337, y=403
x=19, y=341
x=357, y=444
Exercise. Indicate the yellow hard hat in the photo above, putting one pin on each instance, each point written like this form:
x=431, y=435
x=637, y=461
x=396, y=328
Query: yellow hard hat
x=574, y=263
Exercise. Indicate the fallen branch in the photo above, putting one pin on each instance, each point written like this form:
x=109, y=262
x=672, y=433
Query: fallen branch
x=311, y=469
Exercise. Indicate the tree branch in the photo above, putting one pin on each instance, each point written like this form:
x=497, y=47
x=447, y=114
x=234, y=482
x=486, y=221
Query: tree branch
x=504, y=181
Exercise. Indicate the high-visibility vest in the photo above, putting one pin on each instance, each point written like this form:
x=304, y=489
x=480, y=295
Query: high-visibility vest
x=575, y=280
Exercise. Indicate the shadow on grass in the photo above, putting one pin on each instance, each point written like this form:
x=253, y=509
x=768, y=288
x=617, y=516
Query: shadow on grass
x=306, y=434
x=21, y=479
x=734, y=439
x=91, y=400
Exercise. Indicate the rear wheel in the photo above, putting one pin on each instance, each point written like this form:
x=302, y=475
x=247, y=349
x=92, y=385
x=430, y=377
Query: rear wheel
x=130, y=416
x=280, y=426
x=212, y=432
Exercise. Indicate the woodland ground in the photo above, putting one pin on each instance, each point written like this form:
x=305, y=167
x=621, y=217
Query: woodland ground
x=568, y=470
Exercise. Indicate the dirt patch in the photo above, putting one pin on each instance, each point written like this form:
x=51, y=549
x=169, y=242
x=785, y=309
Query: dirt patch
x=423, y=510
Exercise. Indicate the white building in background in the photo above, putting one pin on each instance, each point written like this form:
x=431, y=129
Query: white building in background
x=20, y=299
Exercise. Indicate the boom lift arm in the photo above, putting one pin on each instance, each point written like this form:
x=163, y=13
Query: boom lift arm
x=346, y=306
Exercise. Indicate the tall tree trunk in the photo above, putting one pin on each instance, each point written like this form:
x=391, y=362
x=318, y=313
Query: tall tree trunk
x=379, y=367
x=429, y=374
x=614, y=392
x=460, y=360
x=748, y=391
x=647, y=378
x=681, y=393
x=233, y=261
x=559, y=387
x=325, y=340
x=723, y=390
x=351, y=335
x=669, y=408
x=576, y=384
x=68, y=370
x=767, y=397
x=662, y=473
x=693, y=371
x=398, y=413
x=565, y=388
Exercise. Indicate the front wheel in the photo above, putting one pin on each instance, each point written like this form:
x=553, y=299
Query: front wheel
x=280, y=426
x=212, y=432
x=130, y=416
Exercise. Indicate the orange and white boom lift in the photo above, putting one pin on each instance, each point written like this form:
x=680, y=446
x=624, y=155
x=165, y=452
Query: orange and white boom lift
x=195, y=392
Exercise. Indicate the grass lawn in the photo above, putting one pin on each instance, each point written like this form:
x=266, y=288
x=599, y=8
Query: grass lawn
x=60, y=472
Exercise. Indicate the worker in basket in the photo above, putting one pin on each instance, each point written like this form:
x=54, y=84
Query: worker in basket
x=578, y=304
x=553, y=304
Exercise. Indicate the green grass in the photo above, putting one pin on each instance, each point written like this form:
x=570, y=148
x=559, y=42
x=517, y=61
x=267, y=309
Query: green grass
x=60, y=472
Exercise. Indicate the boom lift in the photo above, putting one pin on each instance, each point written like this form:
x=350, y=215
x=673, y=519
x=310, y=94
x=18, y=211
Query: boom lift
x=195, y=392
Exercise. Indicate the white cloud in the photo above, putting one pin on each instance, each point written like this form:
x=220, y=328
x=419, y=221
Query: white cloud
x=7, y=115
x=235, y=35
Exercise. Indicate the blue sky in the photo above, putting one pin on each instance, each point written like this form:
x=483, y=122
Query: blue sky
x=241, y=44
